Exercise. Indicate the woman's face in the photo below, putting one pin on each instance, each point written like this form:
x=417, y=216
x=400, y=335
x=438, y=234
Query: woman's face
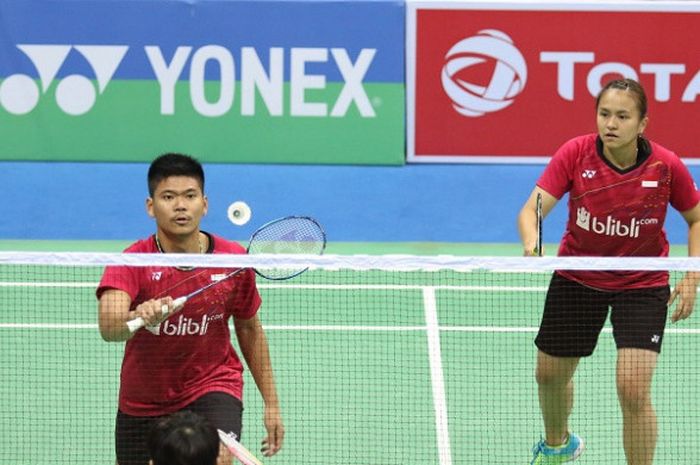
x=619, y=120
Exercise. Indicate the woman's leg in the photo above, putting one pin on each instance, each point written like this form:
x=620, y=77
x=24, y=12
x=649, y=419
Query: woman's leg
x=635, y=370
x=556, y=394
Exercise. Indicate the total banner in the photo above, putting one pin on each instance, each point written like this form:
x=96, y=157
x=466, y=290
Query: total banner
x=236, y=81
x=510, y=82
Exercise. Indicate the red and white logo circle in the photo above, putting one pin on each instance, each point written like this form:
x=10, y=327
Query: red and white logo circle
x=507, y=79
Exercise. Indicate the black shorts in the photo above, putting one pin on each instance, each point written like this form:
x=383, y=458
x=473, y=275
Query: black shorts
x=574, y=316
x=224, y=411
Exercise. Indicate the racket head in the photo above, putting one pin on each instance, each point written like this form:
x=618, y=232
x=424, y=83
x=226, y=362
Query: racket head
x=538, y=211
x=242, y=454
x=288, y=235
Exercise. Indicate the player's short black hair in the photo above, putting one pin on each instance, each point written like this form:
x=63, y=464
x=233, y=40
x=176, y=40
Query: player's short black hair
x=174, y=164
x=183, y=438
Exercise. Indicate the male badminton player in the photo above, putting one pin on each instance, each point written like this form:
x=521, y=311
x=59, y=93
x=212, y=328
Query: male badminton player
x=620, y=185
x=185, y=362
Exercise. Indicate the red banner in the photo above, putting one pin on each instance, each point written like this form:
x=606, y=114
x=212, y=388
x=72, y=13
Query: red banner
x=505, y=85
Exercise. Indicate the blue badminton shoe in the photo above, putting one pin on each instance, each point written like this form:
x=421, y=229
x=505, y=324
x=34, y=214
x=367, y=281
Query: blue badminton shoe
x=567, y=452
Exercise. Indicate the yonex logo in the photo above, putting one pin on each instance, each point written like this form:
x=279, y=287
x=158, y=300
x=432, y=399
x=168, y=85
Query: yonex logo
x=507, y=79
x=75, y=94
x=588, y=174
x=263, y=84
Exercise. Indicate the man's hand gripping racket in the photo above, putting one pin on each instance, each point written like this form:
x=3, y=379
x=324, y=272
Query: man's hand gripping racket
x=292, y=234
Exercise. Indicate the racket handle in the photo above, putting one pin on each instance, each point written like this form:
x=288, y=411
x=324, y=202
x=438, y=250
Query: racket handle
x=138, y=323
x=135, y=324
x=236, y=448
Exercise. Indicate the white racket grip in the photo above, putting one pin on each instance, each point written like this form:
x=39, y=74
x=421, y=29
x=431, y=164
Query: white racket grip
x=236, y=448
x=138, y=323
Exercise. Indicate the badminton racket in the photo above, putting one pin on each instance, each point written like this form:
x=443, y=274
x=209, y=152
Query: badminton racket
x=288, y=235
x=538, y=212
x=236, y=448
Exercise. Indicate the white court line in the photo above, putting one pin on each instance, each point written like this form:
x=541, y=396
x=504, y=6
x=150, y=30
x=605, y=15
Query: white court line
x=456, y=329
x=437, y=376
x=419, y=287
x=378, y=287
x=468, y=329
x=348, y=328
x=48, y=326
x=45, y=284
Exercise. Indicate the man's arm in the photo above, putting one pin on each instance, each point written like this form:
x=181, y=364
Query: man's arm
x=113, y=313
x=253, y=344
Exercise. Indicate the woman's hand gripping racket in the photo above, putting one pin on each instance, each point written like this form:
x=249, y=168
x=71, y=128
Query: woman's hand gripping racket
x=291, y=234
x=236, y=448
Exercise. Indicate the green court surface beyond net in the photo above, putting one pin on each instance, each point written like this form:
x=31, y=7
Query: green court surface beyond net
x=382, y=361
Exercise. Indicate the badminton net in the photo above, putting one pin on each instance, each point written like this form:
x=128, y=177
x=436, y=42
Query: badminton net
x=391, y=360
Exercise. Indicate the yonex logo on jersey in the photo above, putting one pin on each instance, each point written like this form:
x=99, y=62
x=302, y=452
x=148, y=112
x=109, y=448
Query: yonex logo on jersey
x=655, y=339
x=75, y=94
x=611, y=226
x=588, y=174
x=155, y=276
x=507, y=80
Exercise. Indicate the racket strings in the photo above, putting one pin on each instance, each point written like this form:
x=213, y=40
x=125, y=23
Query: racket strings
x=291, y=235
x=298, y=235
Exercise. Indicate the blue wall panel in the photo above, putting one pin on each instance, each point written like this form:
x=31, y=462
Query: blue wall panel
x=440, y=203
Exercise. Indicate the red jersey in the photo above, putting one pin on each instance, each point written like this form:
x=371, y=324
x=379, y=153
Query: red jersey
x=615, y=212
x=190, y=354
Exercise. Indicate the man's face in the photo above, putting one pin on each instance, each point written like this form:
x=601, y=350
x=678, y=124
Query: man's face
x=178, y=205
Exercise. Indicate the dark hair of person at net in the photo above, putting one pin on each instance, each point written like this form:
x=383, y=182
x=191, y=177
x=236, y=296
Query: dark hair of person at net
x=174, y=164
x=637, y=92
x=183, y=438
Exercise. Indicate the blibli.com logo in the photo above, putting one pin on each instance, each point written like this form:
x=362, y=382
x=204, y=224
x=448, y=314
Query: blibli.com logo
x=183, y=326
x=610, y=226
x=75, y=94
x=508, y=76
